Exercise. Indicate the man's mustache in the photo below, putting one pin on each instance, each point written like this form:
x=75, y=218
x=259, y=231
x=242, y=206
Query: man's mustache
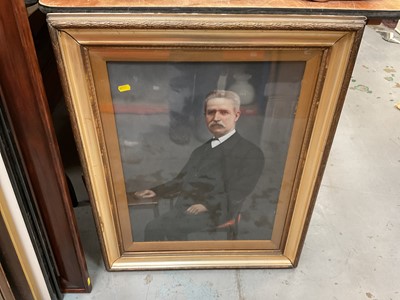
x=216, y=124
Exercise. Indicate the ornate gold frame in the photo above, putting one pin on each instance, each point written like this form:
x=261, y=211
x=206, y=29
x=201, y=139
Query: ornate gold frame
x=328, y=44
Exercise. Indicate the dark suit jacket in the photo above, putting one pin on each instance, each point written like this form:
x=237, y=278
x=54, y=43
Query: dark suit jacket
x=220, y=178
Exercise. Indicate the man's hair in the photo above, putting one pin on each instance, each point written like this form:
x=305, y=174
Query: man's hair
x=223, y=94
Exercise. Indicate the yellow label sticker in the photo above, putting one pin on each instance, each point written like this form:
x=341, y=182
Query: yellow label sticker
x=124, y=88
x=88, y=281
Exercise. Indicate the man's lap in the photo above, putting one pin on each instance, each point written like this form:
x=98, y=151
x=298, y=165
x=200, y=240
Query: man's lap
x=177, y=224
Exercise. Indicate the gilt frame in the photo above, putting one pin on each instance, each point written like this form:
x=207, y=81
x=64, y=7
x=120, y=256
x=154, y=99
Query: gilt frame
x=85, y=42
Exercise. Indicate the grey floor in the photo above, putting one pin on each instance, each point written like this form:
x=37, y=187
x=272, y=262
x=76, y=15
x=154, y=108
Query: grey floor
x=351, y=250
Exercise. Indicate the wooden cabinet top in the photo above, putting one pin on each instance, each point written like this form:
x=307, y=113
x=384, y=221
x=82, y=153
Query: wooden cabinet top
x=368, y=8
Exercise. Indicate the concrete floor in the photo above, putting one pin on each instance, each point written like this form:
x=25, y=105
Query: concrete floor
x=351, y=250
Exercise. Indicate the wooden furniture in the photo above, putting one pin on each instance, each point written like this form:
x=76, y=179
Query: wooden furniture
x=26, y=107
x=372, y=9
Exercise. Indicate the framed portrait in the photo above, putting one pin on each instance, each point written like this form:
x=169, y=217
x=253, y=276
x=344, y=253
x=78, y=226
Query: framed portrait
x=203, y=137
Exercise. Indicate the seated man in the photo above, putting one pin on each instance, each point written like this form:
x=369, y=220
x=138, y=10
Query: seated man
x=218, y=176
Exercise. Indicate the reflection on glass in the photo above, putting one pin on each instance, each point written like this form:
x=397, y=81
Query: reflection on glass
x=160, y=122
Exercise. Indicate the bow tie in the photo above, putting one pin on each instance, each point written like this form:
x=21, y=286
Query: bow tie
x=215, y=142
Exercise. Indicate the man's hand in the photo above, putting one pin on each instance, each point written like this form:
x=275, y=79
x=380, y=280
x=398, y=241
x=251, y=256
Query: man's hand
x=145, y=194
x=196, y=209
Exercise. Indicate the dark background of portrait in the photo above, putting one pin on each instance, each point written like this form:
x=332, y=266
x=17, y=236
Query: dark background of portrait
x=160, y=121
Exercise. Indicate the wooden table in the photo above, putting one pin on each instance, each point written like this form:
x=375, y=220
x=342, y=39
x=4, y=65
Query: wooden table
x=372, y=9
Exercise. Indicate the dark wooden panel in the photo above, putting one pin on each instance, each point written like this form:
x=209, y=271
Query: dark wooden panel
x=369, y=8
x=46, y=59
x=27, y=109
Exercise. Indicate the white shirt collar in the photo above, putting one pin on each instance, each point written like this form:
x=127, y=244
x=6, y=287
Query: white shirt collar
x=217, y=141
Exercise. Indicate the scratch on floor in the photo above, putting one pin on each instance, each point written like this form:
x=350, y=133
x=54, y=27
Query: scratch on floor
x=239, y=284
x=369, y=295
x=148, y=279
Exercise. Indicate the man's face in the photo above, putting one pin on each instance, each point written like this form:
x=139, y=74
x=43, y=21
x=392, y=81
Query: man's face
x=221, y=116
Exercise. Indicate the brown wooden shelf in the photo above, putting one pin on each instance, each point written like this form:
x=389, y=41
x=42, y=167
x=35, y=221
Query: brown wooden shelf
x=368, y=8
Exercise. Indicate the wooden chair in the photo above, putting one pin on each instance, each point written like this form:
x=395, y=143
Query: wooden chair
x=231, y=227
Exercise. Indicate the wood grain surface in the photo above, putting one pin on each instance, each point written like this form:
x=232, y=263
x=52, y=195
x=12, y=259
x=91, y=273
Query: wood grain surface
x=369, y=8
x=25, y=103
